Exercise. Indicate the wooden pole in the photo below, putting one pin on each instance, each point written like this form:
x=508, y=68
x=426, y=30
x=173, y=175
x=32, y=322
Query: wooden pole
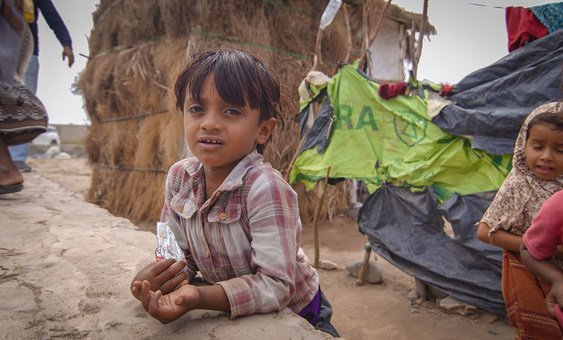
x=379, y=22
x=365, y=35
x=420, y=38
x=317, y=61
x=292, y=161
x=365, y=263
x=348, y=34
x=316, y=216
x=368, y=37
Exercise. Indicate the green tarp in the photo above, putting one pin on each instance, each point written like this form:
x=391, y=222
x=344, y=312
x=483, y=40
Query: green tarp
x=377, y=140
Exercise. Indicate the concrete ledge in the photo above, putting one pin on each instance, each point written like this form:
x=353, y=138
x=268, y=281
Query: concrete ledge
x=65, y=268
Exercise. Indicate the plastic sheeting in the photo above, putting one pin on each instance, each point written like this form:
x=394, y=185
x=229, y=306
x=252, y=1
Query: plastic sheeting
x=490, y=104
x=365, y=137
x=407, y=229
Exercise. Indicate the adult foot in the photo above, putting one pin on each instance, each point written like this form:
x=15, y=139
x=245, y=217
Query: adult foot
x=10, y=176
x=8, y=189
x=22, y=166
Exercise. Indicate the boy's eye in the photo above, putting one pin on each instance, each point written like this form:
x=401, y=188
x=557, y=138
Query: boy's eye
x=233, y=111
x=194, y=109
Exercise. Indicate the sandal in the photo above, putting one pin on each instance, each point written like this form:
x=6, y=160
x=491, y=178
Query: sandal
x=8, y=189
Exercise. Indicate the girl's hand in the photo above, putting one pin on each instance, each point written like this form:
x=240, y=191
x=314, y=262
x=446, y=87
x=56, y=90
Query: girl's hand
x=164, y=276
x=169, y=307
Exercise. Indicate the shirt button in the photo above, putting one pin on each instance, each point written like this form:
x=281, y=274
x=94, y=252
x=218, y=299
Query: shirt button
x=222, y=216
x=207, y=253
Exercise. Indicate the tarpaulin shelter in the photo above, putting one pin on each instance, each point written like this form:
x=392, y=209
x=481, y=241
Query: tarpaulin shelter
x=393, y=147
x=491, y=103
x=420, y=170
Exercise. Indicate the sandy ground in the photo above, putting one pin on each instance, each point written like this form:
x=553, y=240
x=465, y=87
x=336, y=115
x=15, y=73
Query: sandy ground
x=380, y=311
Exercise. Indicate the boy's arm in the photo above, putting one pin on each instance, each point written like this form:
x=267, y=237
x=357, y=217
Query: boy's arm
x=544, y=269
x=547, y=271
x=170, y=307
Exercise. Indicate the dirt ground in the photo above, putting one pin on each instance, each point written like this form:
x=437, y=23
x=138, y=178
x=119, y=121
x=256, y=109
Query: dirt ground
x=380, y=311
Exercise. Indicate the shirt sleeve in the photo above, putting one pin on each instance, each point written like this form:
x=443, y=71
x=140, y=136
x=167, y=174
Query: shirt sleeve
x=168, y=215
x=544, y=235
x=506, y=208
x=274, y=225
x=54, y=21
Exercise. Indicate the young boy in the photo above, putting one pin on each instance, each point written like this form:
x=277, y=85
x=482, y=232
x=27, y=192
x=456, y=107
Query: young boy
x=233, y=215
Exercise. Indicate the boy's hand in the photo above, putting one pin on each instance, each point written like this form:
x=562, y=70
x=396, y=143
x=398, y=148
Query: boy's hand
x=555, y=296
x=164, y=276
x=169, y=307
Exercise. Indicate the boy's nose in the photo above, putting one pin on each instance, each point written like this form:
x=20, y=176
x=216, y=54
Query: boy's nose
x=210, y=123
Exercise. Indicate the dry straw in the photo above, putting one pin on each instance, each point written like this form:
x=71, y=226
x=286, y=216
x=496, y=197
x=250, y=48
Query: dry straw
x=137, y=49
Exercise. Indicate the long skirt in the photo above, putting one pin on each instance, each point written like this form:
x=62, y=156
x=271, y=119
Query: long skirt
x=22, y=115
x=524, y=298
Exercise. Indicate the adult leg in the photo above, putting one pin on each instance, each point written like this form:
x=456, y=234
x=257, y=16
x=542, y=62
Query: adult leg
x=10, y=177
x=20, y=152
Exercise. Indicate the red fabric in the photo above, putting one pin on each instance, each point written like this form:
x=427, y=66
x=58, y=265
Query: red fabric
x=445, y=90
x=558, y=314
x=522, y=27
x=388, y=91
x=546, y=231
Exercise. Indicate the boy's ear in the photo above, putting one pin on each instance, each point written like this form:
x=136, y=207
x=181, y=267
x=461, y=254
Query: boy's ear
x=266, y=129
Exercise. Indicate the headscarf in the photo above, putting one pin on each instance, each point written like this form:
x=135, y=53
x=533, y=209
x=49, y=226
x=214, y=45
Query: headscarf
x=522, y=193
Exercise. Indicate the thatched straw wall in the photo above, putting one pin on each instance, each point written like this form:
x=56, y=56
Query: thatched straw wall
x=137, y=48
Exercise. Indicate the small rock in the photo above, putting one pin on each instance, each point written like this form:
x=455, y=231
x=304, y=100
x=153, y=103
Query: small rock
x=62, y=155
x=454, y=306
x=412, y=296
x=327, y=265
x=421, y=289
x=490, y=318
x=373, y=274
x=52, y=151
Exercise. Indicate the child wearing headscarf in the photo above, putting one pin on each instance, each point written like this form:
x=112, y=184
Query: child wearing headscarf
x=537, y=174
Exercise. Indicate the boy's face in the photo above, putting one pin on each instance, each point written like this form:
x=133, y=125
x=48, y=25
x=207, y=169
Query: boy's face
x=220, y=134
x=544, y=151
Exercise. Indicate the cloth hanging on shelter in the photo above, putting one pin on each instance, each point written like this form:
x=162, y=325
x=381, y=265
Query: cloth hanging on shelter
x=365, y=137
x=550, y=15
x=522, y=27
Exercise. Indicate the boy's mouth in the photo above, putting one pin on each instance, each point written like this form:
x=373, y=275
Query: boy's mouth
x=209, y=141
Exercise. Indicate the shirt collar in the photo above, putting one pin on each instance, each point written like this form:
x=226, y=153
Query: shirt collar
x=235, y=177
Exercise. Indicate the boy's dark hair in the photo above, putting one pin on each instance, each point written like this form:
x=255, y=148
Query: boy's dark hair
x=555, y=119
x=239, y=77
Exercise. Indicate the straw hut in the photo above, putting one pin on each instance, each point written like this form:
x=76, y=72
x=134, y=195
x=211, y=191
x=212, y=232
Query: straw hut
x=137, y=48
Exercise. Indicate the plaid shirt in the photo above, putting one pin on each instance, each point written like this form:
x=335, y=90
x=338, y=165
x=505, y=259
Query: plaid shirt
x=245, y=237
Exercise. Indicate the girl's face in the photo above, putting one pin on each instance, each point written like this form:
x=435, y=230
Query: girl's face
x=220, y=134
x=544, y=151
